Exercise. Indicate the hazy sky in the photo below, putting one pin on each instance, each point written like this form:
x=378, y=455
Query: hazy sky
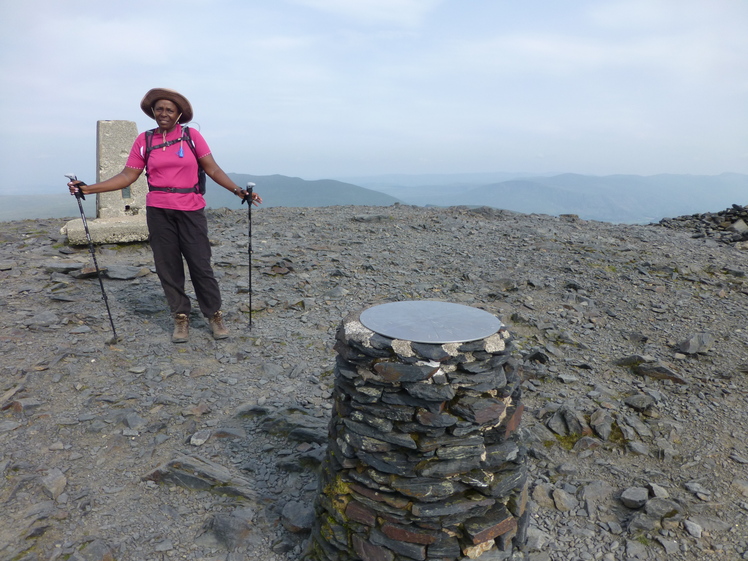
x=330, y=88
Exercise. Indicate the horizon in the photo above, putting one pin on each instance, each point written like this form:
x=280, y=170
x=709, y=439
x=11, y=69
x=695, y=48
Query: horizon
x=327, y=88
x=614, y=198
x=47, y=190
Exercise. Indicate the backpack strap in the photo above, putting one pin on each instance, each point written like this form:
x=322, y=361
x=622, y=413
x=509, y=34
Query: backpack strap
x=199, y=187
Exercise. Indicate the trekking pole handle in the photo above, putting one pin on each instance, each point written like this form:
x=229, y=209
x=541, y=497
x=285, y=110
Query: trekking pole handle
x=248, y=197
x=78, y=193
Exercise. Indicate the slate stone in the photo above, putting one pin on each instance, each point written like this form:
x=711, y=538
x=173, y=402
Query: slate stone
x=507, y=427
x=447, y=547
x=596, y=491
x=564, y=501
x=640, y=402
x=365, y=443
x=693, y=529
x=389, y=462
x=399, y=439
x=334, y=533
x=427, y=489
x=125, y=272
x=506, y=481
x=382, y=509
x=409, y=534
x=361, y=394
x=419, y=429
x=370, y=351
x=464, y=428
x=664, y=508
x=357, y=512
x=56, y=266
x=230, y=529
x=635, y=497
x=349, y=353
x=99, y=550
x=401, y=398
x=445, y=468
x=602, y=423
x=428, y=418
x=479, y=410
x=492, y=524
x=54, y=483
x=427, y=444
x=398, y=372
x=378, y=423
x=638, y=425
x=477, y=367
x=659, y=371
x=392, y=499
x=431, y=352
x=513, y=387
x=431, y=392
x=390, y=411
x=491, y=379
x=460, y=452
x=43, y=319
x=638, y=448
x=700, y=343
x=575, y=421
x=370, y=552
x=379, y=341
x=201, y=474
x=297, y=517
x=457, y=506
x=346, y=369
x=410, y=550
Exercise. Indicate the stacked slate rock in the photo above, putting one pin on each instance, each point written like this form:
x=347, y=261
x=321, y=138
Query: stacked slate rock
x=727, y=226
x=423, y=460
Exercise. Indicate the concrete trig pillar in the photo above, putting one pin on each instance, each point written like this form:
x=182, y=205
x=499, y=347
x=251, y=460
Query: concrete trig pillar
x=120, y=215
x=113, y=142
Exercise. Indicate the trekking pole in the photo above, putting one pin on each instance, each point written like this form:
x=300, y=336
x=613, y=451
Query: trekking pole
x=248, y=199
x=79, y=196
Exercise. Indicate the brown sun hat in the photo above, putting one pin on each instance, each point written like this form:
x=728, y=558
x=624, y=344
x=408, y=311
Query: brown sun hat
x=150, y=99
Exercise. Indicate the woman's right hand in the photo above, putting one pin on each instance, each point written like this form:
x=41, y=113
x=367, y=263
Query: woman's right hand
x=76, y=187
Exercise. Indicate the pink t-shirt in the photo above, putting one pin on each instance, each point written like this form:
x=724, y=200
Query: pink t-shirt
x=167, y=169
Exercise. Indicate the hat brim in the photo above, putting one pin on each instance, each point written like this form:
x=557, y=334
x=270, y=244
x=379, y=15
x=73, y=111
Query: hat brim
x=150, y=99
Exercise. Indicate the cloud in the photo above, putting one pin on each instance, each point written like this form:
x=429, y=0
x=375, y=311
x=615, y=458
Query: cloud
x=406, y=13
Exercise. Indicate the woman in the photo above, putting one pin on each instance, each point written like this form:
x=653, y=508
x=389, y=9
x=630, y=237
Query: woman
x=175, y=208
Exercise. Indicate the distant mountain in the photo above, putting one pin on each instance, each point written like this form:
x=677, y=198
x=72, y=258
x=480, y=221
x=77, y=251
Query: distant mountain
x=385, y=181
x=276, y=190
x=613, y=198
x=47, y=205
x=280, y=190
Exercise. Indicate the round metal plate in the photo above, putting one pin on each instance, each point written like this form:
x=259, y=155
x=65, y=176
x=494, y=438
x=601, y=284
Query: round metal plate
x=427, y=321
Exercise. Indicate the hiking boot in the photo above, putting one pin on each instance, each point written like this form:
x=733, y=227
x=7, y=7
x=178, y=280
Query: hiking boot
x=219, y=328
x=181, y=328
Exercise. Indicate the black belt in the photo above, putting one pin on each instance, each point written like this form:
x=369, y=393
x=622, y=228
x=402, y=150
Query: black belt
x=174, y=189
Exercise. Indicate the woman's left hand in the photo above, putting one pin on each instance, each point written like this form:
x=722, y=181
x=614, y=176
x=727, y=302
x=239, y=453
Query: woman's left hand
x=256, y=199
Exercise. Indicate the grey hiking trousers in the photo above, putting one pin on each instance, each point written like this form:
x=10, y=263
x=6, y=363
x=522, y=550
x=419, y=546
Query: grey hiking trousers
x=175, y=234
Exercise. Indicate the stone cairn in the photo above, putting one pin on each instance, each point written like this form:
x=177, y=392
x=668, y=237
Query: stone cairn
x=728, y=226
x=423, y=460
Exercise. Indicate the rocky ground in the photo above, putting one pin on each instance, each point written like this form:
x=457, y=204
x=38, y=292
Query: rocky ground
x=634, y=341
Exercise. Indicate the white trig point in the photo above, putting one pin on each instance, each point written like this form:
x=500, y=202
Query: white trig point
x=120, y=215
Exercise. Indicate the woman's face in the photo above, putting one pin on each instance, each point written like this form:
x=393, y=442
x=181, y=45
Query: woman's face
x=166, y=113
